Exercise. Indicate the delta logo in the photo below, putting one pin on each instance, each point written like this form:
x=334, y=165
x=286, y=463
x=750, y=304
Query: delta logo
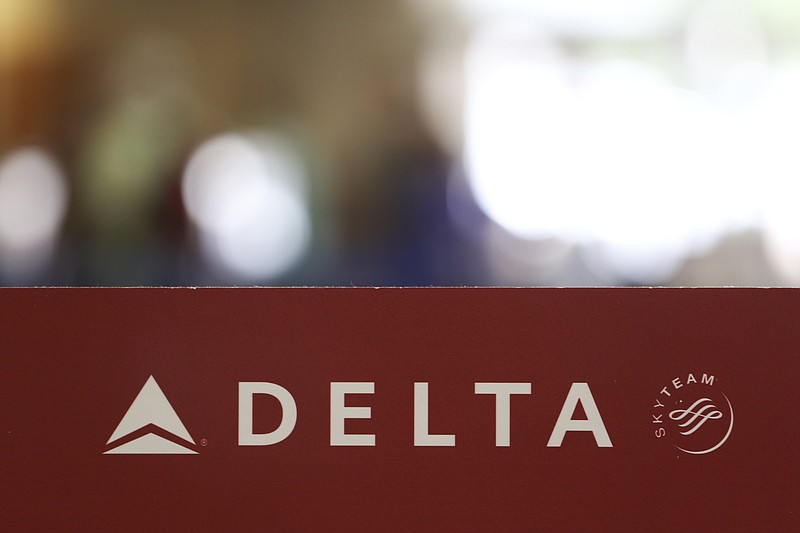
x=151, y=425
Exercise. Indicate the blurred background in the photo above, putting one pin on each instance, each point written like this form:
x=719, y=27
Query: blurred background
x=399, y=142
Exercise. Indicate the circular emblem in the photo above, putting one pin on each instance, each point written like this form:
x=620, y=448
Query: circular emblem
x=693, y=414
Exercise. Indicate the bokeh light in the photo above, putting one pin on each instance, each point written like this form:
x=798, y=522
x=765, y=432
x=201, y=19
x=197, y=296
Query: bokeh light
x=246, y=195
x=33, y=204
x=584, y=18
x=463, y=142
x=611, y=155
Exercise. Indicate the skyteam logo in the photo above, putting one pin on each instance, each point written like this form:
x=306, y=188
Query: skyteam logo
x=693, y=414
x=150, y=426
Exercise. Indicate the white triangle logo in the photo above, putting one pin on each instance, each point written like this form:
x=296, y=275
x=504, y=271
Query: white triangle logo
x=150, y=407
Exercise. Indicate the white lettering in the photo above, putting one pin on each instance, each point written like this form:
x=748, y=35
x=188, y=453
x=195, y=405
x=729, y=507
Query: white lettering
x=340, y=412
x=421, y=435
x=580, y=392
x=246, y=392
x=502, y=392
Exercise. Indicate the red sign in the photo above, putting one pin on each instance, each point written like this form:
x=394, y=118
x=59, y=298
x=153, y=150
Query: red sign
x=400, y=409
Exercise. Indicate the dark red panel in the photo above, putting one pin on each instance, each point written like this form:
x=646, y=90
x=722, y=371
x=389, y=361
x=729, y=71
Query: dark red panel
x=73, y=360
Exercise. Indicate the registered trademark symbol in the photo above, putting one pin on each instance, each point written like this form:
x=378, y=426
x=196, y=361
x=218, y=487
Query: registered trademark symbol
x=203, y=442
